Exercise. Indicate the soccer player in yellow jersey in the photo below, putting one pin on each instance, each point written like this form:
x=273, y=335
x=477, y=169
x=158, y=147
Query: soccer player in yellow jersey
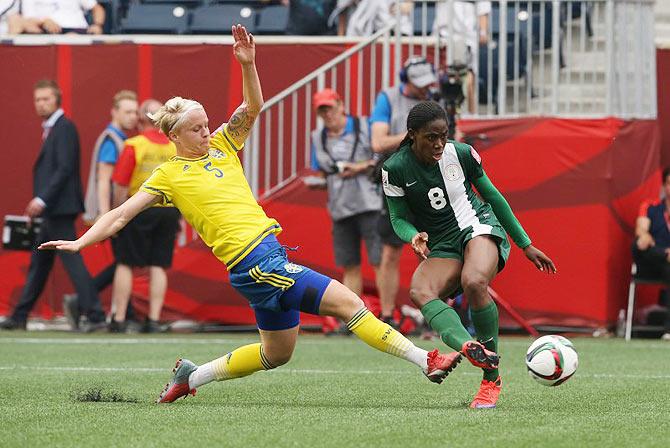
x=206, y=183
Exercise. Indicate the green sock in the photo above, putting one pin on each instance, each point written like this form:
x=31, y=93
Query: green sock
x=443, y=319
x=485, y=321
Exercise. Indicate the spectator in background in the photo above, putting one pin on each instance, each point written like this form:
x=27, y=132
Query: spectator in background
x=651, y=249
x=465, y=39
x=366, y=17
x=147, y=240
x=59, y=17
x=309, y=17
x=342, y=152
x=9, y=10
x=57, y=199
x=389, y=126
x=106, y=150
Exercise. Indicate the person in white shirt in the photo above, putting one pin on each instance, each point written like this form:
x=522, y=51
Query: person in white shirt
x=59, y=16
x=462, y=17
x=9, y=9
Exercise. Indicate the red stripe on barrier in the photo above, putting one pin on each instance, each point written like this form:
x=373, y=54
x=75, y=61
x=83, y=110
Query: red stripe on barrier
x=353, y=83
x=144, y=72
x=64, y=76
x=235, y=96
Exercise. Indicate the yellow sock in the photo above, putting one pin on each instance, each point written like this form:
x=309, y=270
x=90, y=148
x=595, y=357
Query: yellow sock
x=240, y=362
x=384, y=338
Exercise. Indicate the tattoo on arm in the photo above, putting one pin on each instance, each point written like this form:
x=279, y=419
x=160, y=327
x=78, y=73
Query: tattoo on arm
x=240, y=124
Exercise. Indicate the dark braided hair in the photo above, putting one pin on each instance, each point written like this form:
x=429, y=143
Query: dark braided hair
x=422, y=114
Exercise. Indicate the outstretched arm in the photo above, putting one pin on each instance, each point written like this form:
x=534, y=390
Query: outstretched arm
x=512, y=225
x=108, y=224
x=502, y=211
x=243, y=118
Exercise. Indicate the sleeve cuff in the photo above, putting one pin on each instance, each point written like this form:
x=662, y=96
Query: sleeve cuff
x=41, y=201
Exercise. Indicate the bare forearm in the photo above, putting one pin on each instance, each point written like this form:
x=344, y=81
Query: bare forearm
x=642, y=225
x=98, y=13
x=251, y=88
x=104, y=194
x=105, y=171
x=386, y=143
x=109, y=224
x=120, y=194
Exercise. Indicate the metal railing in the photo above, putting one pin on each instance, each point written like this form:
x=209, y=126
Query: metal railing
x=562, y=58
x=551, y=57
x=279, y=145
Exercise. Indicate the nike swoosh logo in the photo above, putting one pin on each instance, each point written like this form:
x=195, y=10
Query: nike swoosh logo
x=410, y=184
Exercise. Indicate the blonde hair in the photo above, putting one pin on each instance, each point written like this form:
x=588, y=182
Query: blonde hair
x=123, y=95
x=168, y=117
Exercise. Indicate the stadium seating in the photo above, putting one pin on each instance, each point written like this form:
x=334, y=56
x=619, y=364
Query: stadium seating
x=218, y=19
x=272, y=20
x=418, y=18
x=483, y=52
x=153, y=19
x=184, y=3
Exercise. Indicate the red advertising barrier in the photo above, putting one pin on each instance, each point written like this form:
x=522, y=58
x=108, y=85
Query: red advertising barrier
x=574, y=184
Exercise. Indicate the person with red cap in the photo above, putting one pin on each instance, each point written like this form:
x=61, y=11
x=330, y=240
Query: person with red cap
x=341, y=151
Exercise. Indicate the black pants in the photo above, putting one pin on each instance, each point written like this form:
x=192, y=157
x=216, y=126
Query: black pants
x=653, y=263
x=105, y=278
x=41, y=262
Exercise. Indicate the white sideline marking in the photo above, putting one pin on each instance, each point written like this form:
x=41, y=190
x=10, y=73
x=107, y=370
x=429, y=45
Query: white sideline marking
x=299, y=371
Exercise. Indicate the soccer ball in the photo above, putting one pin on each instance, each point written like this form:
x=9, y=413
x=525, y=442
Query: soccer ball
x=551, y=360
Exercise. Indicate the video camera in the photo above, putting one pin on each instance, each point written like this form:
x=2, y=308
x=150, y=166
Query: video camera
x=450, y=94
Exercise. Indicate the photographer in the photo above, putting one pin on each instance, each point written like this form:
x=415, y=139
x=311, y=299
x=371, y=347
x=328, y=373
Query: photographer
x=342, y=152
x=469, y=23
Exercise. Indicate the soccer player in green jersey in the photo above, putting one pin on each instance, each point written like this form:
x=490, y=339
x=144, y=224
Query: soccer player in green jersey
x=458, y=234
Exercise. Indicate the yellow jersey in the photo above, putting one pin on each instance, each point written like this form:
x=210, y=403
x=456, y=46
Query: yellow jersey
x=150, y=148
x=215, y=198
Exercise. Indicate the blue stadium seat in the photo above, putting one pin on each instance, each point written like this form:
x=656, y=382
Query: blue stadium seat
x=218, y=19
x=153, y=19
x=272, y=20
x=418, y=18
x=250, y=3
x=184, y=3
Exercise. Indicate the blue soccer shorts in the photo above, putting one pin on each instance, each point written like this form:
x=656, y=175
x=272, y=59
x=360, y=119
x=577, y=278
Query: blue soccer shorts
x=277, y=289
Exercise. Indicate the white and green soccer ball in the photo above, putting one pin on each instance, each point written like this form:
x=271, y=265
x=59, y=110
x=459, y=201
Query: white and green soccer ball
x=551, y=360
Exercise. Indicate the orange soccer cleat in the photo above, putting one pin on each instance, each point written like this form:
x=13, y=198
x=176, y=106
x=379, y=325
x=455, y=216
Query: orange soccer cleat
x=488, y=394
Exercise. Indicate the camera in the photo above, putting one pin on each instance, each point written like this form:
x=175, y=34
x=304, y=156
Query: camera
x=450, y=94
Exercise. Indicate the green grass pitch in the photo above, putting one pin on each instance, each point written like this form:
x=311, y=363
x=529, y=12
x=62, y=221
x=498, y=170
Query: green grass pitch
x=335, y=392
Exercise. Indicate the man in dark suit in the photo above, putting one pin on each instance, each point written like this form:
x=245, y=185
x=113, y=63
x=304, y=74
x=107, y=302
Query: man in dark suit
x=58, y=200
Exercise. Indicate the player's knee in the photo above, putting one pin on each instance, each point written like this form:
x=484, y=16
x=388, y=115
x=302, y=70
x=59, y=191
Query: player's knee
x=279, y=358
x=475, y=284
x=353, y=302
x=420, y=295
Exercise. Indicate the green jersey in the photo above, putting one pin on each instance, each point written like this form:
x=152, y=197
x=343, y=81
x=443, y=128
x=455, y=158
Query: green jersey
x=440, y=196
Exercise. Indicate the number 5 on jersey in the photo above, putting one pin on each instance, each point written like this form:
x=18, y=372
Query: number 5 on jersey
x=217, y=172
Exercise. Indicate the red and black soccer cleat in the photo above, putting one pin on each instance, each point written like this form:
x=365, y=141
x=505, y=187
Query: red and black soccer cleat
x=178, y=386
x=479, y=356
x=440, y=364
